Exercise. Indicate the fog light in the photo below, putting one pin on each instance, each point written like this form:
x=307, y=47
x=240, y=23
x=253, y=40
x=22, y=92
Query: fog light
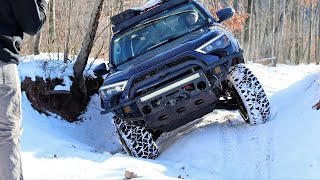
x=217, y=70
x=127, y=109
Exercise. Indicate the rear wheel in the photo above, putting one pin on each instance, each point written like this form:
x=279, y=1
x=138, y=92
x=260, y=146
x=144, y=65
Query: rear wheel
x=253, y=103
x=135, y=139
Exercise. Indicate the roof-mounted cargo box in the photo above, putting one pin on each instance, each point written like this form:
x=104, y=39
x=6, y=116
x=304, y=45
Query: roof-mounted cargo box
x=125, y=15
x=133, y=16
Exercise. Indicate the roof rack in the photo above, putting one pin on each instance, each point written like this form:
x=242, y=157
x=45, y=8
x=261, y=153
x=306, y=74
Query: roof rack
x=125, y=15
x=132, y=16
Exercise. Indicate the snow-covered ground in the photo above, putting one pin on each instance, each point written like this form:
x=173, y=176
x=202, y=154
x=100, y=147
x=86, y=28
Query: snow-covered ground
x=217, y=146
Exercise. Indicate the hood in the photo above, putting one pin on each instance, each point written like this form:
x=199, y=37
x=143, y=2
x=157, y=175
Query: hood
x=152, y=58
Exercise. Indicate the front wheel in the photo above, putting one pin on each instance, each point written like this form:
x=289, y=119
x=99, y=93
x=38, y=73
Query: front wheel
x=135, y=139
x=253, y=103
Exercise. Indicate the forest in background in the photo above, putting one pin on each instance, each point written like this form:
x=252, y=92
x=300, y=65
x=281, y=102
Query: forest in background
x=271, y=31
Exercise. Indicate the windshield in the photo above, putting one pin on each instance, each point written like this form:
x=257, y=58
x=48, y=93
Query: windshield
x=155, y=32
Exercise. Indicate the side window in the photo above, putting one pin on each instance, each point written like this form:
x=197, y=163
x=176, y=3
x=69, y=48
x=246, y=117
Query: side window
x=121, y=50
x=116, y=52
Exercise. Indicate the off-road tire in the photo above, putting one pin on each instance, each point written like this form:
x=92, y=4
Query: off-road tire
x=253, y=103
x=135, y=139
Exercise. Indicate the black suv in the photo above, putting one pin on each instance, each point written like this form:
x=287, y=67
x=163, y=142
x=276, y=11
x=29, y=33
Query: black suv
x=171, y=64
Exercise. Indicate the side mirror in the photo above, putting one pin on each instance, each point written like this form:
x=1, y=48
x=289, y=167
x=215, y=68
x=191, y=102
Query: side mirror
x=101, y=70
x=225, y=14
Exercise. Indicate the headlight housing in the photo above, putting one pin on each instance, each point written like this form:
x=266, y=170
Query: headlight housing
x=219, y=42
x=107, y=91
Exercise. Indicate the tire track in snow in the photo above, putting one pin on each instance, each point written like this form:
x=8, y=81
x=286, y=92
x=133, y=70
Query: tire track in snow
x=231, y=154
x=257, y=151
x=264, y=152
x=247, y=150
x=242, y=151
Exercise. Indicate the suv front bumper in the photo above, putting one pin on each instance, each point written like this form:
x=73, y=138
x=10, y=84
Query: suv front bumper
x=163, y=107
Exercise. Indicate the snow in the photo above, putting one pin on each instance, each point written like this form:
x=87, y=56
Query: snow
x=51, y=66
x=217, y=146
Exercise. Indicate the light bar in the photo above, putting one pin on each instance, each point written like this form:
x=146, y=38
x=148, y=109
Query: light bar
x=170, y=87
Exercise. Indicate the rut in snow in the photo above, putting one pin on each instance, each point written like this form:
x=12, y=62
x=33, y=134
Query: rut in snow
x=247, y=150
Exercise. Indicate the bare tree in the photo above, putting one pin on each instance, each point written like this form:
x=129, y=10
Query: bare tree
x=52, y=27
x=297, y=33
x=310, y=33
x=67, y=42
x=246, y=26
x=78, y=88
x=37, y=43
x=279, y=33
x=318, y=38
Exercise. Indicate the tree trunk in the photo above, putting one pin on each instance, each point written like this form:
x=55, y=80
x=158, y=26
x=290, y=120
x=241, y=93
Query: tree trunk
x=279, y=38
x=246, y=39
x=236, y=5
x=302, y=31
x=52, y=17
x=258, y=31
x=257, y=38
x=310, y=34
x=248, y=32
x=318, y=39
x=271, y=37
x=66, y=49
x=37, y=43
x=290, y=35
x=297, y=50
x=78, y=88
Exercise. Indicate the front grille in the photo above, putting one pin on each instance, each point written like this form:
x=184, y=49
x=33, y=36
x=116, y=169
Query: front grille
x=163, y=83
x=162, y=68
x=179, y=61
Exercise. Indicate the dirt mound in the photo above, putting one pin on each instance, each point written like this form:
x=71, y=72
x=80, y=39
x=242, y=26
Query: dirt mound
x=44, y=99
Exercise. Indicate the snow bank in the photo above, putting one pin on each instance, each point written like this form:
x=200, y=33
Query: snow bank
x=52, y=66
x=217, y=146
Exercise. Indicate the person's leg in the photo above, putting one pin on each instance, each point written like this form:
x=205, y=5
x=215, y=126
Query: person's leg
x=10, y=122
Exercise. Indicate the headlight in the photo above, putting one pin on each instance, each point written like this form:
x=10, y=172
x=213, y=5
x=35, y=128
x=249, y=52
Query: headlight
x=219, y=42
x=107, y=91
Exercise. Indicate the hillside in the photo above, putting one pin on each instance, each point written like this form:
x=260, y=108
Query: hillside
x=219, y=145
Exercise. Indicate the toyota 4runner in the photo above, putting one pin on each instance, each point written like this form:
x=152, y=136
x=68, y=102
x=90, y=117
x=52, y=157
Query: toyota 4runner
x=170, y=64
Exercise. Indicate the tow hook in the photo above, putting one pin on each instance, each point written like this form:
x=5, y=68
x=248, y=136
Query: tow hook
x=182, y=97
x=170, y=102
x=173, y=101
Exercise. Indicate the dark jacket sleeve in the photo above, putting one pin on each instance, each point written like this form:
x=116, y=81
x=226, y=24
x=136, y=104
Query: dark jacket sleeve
x=30, y=14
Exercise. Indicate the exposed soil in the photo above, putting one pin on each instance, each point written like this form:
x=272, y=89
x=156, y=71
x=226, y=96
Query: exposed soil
x=44, y=99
